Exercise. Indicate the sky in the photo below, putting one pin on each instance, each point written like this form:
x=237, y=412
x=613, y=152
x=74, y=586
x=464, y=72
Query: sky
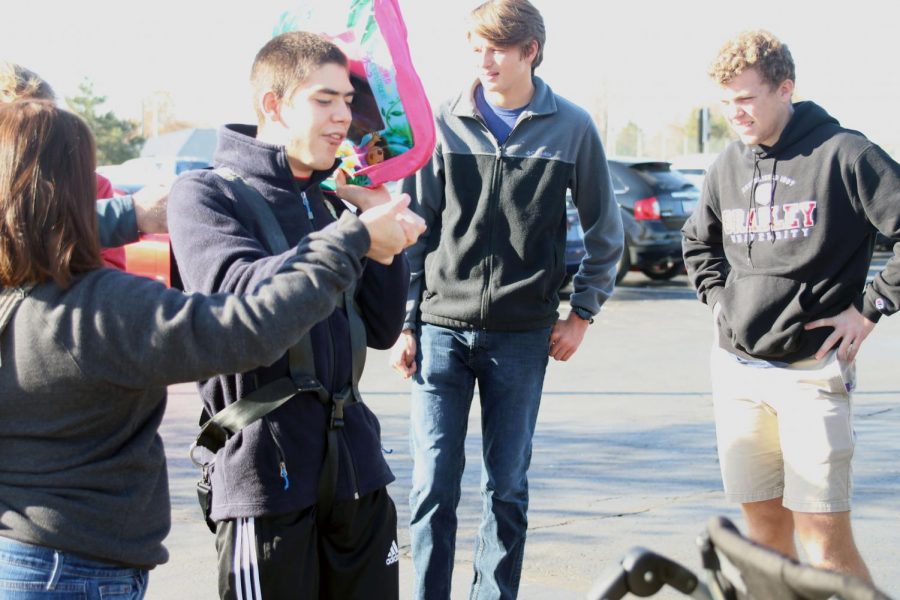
x=645, y=61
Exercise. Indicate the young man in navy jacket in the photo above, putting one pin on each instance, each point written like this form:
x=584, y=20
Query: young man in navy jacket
x=278, y=534
x=779, y=249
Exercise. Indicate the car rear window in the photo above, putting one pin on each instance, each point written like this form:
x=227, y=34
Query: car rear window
x=660, y=176
x=189, y=165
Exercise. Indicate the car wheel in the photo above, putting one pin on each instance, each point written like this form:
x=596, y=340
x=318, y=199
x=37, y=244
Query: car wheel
x=624, y=264
x=663, y=272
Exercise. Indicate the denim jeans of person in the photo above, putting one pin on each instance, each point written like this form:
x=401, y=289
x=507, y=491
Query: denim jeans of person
x=508, y=368
x=30, y=572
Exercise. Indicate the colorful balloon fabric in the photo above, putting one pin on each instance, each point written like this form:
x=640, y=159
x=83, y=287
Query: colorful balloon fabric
x=392, y=133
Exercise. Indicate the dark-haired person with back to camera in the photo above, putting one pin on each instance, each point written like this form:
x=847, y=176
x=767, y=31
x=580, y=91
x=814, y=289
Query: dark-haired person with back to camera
x=86, y=354
x=121, y=218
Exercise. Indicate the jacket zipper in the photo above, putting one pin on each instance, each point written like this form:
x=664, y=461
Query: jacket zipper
x=306, y=205
x=489, y=258
x=309, y=212
x=350, y=461
x=329, y=339
x=493, y=202
x=351, y=464
x=282, y=462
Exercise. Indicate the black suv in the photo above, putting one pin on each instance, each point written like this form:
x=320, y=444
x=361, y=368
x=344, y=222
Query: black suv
x=655, y=201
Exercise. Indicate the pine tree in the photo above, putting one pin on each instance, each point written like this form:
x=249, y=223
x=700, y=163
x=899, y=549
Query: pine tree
x=117, y=139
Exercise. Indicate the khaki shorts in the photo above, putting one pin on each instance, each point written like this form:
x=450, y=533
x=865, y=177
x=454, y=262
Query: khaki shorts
x=785, y=432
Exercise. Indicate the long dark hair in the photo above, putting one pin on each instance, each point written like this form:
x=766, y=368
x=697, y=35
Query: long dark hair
x=48, y=188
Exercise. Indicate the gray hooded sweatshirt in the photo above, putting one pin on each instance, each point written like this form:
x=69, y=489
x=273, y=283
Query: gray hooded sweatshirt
x=83, y=376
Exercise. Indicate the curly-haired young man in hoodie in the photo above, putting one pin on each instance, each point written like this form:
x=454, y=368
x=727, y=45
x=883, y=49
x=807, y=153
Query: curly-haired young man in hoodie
x=779, y=249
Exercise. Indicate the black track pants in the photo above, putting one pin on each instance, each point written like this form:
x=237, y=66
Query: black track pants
x=350, y=554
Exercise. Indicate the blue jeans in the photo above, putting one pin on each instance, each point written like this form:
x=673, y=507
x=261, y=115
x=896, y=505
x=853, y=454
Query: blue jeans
x=30, y=572
x=509, y=370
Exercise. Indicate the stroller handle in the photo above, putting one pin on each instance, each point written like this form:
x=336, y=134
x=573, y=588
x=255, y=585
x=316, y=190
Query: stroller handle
x=643, y=573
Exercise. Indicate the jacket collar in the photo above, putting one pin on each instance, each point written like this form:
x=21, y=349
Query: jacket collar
x=238, y=148
x=807, y=116
x=543, y=102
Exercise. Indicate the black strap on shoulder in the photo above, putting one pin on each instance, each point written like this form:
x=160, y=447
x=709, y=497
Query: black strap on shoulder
x=272, y=235
x=255, y=405
x=10, y=298
x=224, y=424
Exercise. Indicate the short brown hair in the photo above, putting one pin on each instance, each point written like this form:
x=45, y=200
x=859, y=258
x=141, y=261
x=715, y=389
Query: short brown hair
x=48, y=219
x=17, y=83
x=286, y=61
x=758, y=50
x=510, y=24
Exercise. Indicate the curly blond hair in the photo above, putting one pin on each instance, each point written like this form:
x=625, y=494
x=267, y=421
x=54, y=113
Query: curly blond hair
x=17, y=83
x=758, y=50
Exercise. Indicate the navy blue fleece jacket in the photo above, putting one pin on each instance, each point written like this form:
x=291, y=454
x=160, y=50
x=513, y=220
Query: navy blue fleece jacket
x=273, y=465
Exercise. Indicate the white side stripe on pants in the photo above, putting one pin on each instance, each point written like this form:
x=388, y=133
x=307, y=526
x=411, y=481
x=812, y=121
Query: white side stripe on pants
x=245, y=567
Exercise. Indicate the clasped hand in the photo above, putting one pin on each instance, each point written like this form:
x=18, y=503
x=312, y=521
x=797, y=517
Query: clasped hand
x=392, y=226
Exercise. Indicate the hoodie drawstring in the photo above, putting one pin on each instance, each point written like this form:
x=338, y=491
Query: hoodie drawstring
x=757, y=175
x=772, y=198
x=756, y=180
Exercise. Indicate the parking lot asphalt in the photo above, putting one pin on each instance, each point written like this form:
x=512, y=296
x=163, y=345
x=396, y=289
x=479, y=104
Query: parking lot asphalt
x=624, y=455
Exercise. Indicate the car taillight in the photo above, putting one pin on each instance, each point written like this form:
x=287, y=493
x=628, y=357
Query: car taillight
x=646, y=209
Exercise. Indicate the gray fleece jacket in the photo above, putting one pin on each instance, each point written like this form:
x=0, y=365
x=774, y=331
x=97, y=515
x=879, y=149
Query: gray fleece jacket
x=493, y=256
x=83, y=376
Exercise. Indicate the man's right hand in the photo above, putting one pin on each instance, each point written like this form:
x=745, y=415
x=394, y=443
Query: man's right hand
x=403, y=354
x=392, y=227
x=361, y=197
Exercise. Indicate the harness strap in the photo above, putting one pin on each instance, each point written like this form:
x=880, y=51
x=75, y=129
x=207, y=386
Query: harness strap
x=255, y=405
x=10, y=298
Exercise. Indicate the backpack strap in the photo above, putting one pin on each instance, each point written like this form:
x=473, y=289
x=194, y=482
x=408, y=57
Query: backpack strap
x=272, y=235
x=10, y=298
